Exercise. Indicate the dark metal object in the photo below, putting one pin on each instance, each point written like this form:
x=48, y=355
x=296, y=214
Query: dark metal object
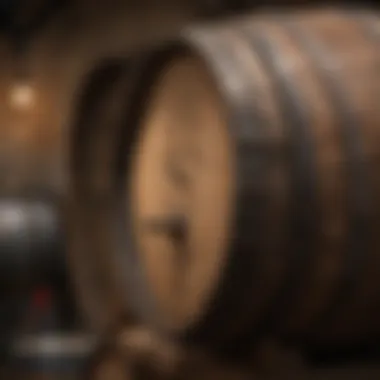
x=31, y=243
x=31, y=254
x=297, y=117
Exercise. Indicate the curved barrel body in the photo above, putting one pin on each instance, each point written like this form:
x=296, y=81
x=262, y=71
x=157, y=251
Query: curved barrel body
x=253, y=192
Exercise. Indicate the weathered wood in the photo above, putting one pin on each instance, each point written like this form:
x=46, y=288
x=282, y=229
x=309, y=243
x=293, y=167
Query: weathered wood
x=261, y=134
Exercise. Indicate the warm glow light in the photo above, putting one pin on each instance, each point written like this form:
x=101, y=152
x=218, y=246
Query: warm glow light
x=22, y=96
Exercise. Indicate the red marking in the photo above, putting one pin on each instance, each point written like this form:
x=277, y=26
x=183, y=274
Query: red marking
x=41, y=298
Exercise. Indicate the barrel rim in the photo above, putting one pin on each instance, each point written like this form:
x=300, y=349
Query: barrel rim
x=75, y=203
x=151, y=66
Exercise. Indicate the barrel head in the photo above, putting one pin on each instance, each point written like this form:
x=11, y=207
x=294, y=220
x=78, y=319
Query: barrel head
x=181, y=192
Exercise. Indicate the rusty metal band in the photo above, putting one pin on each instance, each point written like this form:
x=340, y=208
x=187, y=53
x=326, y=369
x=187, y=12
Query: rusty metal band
x=247, y=129
x=304, y=212
x=359, y=189
x=369, y=23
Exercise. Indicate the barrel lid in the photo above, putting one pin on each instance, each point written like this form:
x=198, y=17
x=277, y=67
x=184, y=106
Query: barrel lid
x=181, y=192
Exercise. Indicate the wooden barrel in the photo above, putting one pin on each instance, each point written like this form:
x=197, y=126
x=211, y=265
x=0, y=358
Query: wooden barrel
x=99, y=119
x=253, y=192
x=97, y=124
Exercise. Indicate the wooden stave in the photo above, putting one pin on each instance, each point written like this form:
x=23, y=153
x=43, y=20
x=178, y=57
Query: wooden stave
x=344, y=318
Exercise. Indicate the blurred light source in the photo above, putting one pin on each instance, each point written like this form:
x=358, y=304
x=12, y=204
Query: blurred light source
x=22, y=96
